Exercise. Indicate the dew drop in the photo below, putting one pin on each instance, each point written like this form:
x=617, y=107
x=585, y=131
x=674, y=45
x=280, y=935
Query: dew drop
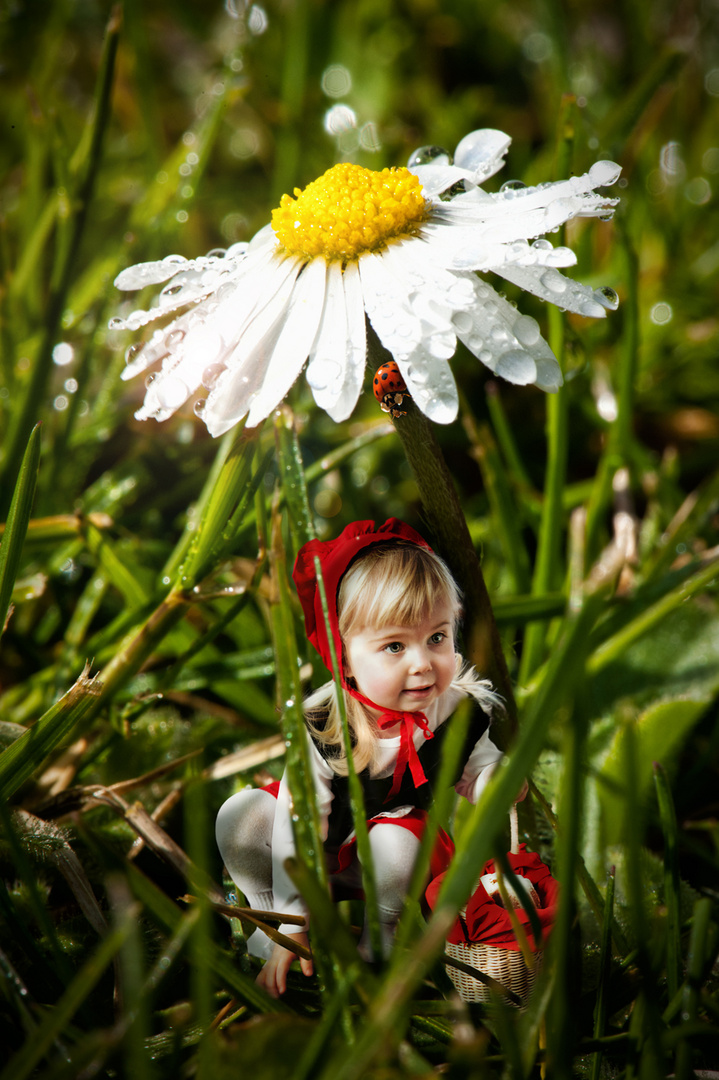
x=169, y=291
x=458, y=188
x=132, y=352
x=199, y=407
x=172, y=392
x=136, y=319
x=511, y=186
x=604, y=173
x=174, y=338
x=211, y=374
x=175, y=259
x=517, y=366
x=526, y=330
x=418, y=377
x=542, y=244
x=323, y=374
x=591, y=308
x=117, y=324
x=553, y=281
x=607, y=297
x=429, y=155
x=150, y=379
x=216, y=253
x=462, y=321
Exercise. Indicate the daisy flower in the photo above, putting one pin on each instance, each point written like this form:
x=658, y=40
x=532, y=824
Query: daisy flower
x=402, y=247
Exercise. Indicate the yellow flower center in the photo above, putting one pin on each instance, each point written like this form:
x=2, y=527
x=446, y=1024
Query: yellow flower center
x=350, y=210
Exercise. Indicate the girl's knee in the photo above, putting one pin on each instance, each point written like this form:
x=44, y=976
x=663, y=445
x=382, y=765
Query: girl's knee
x=394, y=852
x=245, y=821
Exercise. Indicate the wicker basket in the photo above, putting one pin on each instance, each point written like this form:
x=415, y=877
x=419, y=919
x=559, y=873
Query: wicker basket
x=505, y=966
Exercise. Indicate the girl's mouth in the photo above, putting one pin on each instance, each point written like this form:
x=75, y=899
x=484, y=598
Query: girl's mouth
x=419, y=691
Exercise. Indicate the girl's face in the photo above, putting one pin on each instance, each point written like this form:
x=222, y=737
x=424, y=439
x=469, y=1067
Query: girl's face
x=404, y=667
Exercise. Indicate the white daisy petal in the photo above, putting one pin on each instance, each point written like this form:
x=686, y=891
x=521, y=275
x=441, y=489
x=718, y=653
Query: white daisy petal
x=508, y=343
x=431, y=384
x=438, y=178
x=482, y=153
x=242, y=323
x=235, y=389
x=396, y=326
x=549, y=284
x=150, y=273
x=337, y=362
x=294, y=341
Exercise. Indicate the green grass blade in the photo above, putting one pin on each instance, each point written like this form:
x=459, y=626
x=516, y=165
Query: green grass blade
x=616, y=646
x=699, y=954
x=167, y=913
x=231, y=489
x=20, y=760
x=85, y=166
x=306, y=825
x=605, y=962
x=24, y=1062
x=668, y=819
x=17, y=522
x=359, y=816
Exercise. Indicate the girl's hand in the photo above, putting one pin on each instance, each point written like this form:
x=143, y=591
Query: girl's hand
x=273, y=977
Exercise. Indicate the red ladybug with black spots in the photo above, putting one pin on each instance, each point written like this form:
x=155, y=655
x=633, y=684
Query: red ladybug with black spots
x=390, y=389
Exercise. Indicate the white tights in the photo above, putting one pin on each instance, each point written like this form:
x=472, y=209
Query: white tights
x=244, y=837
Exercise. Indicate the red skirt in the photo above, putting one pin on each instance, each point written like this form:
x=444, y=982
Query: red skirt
x=415, y=821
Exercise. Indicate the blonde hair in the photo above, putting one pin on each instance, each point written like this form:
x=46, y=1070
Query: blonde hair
x=389, y=584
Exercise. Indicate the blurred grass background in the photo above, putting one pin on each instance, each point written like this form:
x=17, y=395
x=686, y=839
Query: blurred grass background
x=134, y=131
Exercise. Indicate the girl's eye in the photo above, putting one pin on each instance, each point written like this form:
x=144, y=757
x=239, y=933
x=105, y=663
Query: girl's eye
x=438, y=638
x=394, y=647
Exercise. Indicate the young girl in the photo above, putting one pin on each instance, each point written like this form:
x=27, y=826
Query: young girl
x=393, y=612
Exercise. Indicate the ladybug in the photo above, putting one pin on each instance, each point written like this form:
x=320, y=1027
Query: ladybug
x=390, y=389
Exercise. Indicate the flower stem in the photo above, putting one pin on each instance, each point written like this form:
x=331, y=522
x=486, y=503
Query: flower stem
x=449, y=528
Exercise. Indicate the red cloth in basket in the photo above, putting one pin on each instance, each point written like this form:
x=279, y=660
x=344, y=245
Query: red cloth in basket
x=489, y=922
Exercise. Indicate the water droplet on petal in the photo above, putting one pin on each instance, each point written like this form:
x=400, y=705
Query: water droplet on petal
x=211, y=374
x=169, y=291
x=604, y=173
x=511, y=186
x=323, y=374
x=216, y=253
x=517, y=366
x=462, y=321
x=149, y=379
x=174, y=338
x=199, y=407
x=607, y=297
x=179, y=259
x=542, y=244
x=172, y=392
x=481, y=150
x=553, y=281
x=429, y=155
x=136, y=319
x=117, y=324
x=417, y=376
x=526, y=330
x=132, y=352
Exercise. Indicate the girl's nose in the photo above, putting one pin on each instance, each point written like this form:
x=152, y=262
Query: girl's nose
x=419, y=660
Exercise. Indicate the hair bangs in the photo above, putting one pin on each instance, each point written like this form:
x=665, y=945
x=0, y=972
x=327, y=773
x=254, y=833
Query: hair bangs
x=395, y=585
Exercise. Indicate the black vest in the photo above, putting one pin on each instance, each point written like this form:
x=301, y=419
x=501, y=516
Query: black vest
x=376, y=789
